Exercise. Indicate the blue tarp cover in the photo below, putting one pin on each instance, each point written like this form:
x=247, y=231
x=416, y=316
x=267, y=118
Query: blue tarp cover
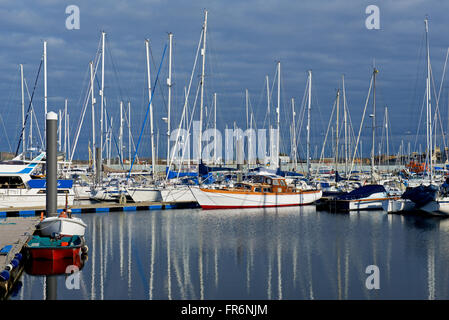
x=362, y=192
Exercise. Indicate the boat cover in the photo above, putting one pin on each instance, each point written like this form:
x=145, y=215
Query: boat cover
x=362, y=192
x=421, y=195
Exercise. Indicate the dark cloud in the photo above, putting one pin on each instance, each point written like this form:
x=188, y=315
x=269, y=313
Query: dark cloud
x=245, y=40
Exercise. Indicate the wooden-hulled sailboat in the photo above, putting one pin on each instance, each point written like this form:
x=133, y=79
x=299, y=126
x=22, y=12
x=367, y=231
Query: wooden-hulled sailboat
x=262, y=191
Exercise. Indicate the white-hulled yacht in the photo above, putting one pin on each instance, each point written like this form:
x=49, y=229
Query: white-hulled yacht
x=18, y=189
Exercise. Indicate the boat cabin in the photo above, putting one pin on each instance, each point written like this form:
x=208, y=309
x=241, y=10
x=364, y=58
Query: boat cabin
x=264, y=184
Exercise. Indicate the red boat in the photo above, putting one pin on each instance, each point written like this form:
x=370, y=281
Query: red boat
x=55, y=248
x=41, y=267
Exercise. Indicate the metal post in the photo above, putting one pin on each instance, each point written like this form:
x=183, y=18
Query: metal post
x=52, y=165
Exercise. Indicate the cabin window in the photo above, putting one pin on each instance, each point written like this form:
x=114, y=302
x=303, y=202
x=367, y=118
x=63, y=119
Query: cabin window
x=275, y=182
x=268, y=180
x=247, y=187
x=279, y=189
x=238, y=185
x=257, y=189
x=282, y=183
x=266, y=189
x=11, y=182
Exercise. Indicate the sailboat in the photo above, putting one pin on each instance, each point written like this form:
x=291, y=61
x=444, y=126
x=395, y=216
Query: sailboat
x=369, y=196
x=428, y=198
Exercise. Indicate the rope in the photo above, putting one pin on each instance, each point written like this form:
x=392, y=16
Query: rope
x=146, y=114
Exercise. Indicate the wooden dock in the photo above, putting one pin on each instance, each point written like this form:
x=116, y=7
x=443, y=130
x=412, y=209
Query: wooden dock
x=14, y=231
x=98, y=207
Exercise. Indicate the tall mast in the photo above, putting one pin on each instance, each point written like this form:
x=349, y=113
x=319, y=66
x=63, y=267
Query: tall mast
x=294, y=134
x=278, y=148
x=169, y=84
x=129, y=132
x=23, y=114
x=345, y=119
x=65, y=129
x=120, y=138
x=203, y=53
x=59, y=130
x=386, y=133
x=309, y=102
x=45, y=87
x=153, y=152
x=428, y=105
x=269, y=114
x=375, y=71
x=215, y=127
x=93, y=116
x=337, y=131
x=103, y=35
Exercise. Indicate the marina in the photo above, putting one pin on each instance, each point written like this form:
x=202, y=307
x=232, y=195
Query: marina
x=151, y=161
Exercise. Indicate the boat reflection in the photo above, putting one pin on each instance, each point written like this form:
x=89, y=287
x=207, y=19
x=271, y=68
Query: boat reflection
x=275, y=253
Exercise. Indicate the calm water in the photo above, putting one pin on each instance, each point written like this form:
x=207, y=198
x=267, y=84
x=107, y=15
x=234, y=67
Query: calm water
x=288, y=253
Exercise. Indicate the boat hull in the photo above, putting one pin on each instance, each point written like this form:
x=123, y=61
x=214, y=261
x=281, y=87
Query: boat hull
x=61, y=226
x=222, y=199
x=373, y=202
x=145, y=194
x=177, y=194
x=439, y=207
x=21, y=199
x=397, y=205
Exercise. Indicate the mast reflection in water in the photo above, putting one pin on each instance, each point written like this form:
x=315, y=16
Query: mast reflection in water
x=287, y=253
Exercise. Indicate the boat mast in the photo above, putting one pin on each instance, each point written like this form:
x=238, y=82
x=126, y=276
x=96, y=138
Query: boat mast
x=120, y=138
x=65, y=129
x=428, y=105
x=169, y=85
x=294, y=134
x=203, y=53
x=153, y=153
x=23, y=114
x=45, y=88
x=309, y=102
x=278, y=148
x=59, y=130
x=345, y=119
x=129, y=132
x=215, y=127
x=386, y=133
x=269, y=115
x=103, y=35
x=375, y=71
x=93, y=117
x=337, y=131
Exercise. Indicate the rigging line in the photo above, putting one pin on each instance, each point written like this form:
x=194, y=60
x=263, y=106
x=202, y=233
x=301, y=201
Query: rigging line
x=419, y=122
x=437, y=98
x=116, y=72
x=188, y=132
x=361, y=124
x=327, y=133
x=148, y=109
x=29, y=106
x=301, y=118
x=188, y=92
x=83, y=113
x=160, y=86
x=34, y=113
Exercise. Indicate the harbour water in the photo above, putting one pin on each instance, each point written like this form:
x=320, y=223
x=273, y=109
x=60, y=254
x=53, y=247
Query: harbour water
x=279, y=253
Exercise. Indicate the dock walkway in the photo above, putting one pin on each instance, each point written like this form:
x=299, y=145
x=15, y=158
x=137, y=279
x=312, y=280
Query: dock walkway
x=14, y=231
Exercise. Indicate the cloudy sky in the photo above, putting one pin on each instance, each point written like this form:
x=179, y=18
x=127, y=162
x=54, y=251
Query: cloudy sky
x=244, y=41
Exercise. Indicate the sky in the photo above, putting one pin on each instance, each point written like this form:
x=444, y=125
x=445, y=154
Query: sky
x=245, y=39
